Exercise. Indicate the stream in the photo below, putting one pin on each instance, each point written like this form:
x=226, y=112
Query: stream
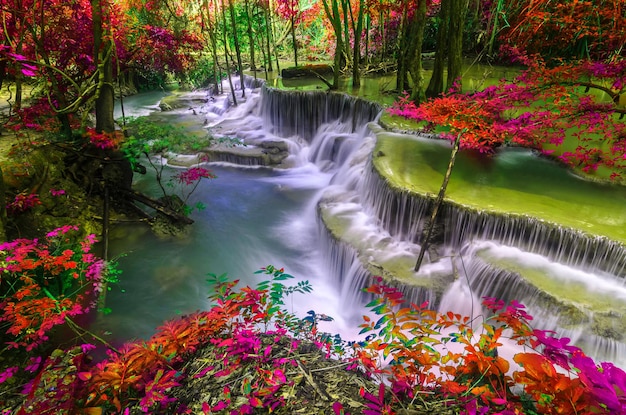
x=256, y=216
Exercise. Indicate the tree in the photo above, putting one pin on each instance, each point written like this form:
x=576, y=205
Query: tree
x=290, y=10
x=231, y=9
x=409, y=56
x=541, y=109
x=225, y=40
x=209, y=23
x=250, y=36
x=103, y=50
x=334, y=16
x=357, y=31
x=449, y=46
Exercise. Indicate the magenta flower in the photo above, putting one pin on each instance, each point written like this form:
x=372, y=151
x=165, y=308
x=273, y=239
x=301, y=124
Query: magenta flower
x=193, y=175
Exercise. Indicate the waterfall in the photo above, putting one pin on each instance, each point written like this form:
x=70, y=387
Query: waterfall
x=403, y=214
x=301, y=113
x=567, y=246
x=599, y=333
x=358, y=224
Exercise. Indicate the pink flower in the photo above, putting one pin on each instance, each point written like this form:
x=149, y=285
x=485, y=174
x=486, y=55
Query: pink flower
x=8, y=374
x=55, y=192
x=193, y=175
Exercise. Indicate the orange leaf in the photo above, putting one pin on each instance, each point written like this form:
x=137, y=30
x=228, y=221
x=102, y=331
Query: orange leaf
x=535, y=365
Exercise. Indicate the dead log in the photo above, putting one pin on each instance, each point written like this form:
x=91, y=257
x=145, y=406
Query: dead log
x=310, y=71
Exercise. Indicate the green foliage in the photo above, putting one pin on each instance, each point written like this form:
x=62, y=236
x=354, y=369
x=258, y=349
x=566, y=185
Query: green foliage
x=251, y=345
x=149, y=137
x=277, y=290
x=46, y=282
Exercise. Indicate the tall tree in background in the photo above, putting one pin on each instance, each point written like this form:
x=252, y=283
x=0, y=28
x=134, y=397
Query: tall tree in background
x=225, y=40
x=209, y=23
x=357, y=31
x=290, y=10
x=335, y=18
x=410, y=41
x=103, y=50
x=233, y=22
x=449, y=46
x=250, y=36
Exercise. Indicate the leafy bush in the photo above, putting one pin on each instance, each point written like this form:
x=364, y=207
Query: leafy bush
x=249, y=344
x=44, y=283
x=150, y=140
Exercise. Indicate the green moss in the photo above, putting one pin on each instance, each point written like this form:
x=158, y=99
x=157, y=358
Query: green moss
x=513, y=182
x=576, y=292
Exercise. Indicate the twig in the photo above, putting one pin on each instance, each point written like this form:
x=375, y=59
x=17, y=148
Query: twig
x=330, y=367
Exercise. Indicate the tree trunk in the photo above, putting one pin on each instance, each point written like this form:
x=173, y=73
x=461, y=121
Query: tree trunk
x=224, y=38
x=368, y=20
x=105, y=94
x=293, y=40
x=442, y=192
x=268, y=39
x=272, y=32
x=435, y=86
x=402, y=81
x=231, y=8
x=38, y=37
x=217, y=76
x=458, y=11
x=250, y=38
x=333, y=15
x=356, y=57
x=492, y=25
x=415, y=63
x=345, y=6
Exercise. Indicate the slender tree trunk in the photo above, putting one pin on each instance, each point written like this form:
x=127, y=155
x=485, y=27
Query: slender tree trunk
x=332, y=12
x=272, y=31
x=268, y=39
x=368, y=21
x=492, y=25
x=383, y=31
x=293, y=40
x=231, y=8
x=66, y=128
x=225, y=39
x=442, y=192
x=105, y=93
x=250, y=38
x=415, y=64
x=217, y=77
x=356, y=57
x=19, y=82
x=435, y=86
x=345, y=6
x=402, y=59
x=458, y=11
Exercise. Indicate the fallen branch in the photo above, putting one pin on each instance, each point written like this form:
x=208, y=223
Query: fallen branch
x=158, y=206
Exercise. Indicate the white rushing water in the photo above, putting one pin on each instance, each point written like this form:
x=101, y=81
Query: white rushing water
x=257, y=216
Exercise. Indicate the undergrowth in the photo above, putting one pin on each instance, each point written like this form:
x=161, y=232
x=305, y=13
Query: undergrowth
x=253, y=356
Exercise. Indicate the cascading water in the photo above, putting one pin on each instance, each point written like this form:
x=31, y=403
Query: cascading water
x=328, y=216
